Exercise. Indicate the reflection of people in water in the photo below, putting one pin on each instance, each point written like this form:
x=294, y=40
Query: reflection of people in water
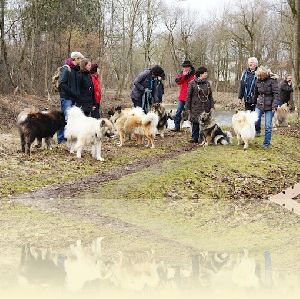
x=38, y=267
x=135, y=271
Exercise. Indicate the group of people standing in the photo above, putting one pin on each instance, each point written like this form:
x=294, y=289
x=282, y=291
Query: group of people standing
x=258, y=89
x=261, y=93
x=79, y=85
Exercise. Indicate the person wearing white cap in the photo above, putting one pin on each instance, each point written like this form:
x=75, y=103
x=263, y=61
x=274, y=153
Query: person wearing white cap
x=68, y=87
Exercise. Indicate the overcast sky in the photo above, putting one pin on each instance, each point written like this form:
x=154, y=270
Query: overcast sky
x=204, y=7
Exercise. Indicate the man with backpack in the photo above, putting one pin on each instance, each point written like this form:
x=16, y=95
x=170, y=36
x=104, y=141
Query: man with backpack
x=68, y=87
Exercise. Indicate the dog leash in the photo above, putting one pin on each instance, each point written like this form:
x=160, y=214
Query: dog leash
x=206, y=96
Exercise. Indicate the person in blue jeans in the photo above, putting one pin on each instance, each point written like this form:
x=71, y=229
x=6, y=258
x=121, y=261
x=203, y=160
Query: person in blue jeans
x=266, y=97
x=68, y=87
x=183, y=79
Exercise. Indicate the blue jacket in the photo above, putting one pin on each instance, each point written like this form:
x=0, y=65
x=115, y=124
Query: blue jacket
x=141, y=82
x=247, y=86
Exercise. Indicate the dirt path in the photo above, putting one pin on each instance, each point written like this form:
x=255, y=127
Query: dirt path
x=53, y=199
x=73, y=187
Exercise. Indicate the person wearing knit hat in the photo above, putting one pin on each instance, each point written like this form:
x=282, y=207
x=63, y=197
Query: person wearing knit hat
x=97, y=89
x=76, y=55
x=182, y=79
x=144, y=91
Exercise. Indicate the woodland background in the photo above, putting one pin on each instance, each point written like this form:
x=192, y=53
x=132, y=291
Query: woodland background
x=125, y=36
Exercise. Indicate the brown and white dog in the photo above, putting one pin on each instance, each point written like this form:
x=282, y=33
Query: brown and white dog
x=34, y=124
x=281, y=115
x=134, y=122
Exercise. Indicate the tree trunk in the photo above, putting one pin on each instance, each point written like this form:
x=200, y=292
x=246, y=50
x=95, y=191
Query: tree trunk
x=4, y=54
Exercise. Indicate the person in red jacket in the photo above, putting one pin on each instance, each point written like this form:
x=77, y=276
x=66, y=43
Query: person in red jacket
x=182, y=79
x=97, y=88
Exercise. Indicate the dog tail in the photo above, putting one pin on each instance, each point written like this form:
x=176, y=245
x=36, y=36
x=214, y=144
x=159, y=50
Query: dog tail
x=151, y=119
x=74, y=112
x=137, y=111
x=251, y=117
x=223, y=139
x=229, y=136
x=23, y=115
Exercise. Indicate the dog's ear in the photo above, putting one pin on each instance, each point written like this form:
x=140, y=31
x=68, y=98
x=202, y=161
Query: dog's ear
x=102, y=122
x=110, y=112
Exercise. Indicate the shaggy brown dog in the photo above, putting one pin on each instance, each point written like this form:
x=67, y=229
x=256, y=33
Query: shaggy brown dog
x=38, y=125
x=281, y=115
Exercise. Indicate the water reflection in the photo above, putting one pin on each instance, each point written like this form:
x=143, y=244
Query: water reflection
x=222, y=118
x=81, y=268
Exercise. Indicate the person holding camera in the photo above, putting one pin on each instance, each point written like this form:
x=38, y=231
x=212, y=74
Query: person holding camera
x=286, y=89
x=247, y=84
x=183, y=79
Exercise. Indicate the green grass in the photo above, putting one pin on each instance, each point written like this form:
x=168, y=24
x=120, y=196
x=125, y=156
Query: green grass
x=228, y=214
x=24, y=174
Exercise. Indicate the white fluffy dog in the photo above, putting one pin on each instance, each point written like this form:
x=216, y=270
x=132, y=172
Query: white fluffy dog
x=243, y=123
x=82, y=130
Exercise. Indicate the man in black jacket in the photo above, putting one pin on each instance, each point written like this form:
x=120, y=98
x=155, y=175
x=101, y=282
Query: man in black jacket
x=286, y=88
x=68, y=87
x=247, y=84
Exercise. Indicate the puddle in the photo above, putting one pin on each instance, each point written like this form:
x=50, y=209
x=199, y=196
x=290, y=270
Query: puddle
x=287, y=199
x=223, y=118
x=86, y=269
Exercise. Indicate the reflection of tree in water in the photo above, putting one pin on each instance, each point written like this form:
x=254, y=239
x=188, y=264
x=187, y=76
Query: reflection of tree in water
x=85, y=266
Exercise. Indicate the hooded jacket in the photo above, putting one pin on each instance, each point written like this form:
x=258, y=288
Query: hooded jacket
x=68, y=81
x=266, y=94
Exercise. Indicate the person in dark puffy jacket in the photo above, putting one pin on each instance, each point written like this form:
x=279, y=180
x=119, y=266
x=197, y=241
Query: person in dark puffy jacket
x=286, y=89
x=182, y=79
x=68, y=87
x=266, y=98
x=86, y=100
x=247, y=84
x=199, y=99
x=144, y=91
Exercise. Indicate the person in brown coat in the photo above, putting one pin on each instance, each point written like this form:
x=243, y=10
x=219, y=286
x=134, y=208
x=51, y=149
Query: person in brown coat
x=199, y=99
x=266, y=98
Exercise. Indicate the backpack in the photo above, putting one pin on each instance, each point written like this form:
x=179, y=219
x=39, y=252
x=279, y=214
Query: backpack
x=56, y=76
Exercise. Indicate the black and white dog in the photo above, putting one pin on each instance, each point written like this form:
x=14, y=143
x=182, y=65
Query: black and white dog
x=212, y=133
